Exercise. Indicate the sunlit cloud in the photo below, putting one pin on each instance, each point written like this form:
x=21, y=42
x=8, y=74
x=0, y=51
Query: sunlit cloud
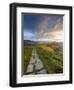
x=55, y=34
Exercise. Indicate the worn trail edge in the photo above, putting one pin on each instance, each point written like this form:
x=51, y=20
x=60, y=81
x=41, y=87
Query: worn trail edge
x=35, y=65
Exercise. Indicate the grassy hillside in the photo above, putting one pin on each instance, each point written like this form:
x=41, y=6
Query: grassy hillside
x=27, y=56
x=50, y=54
x=51, y=59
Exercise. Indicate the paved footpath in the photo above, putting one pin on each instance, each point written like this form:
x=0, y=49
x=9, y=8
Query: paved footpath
x=35, y=64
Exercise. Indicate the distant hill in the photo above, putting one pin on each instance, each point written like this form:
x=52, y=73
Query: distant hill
x=29, y=42
x=35, y=42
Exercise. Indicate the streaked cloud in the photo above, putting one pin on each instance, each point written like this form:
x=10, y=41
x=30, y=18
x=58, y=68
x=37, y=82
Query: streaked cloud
x=49, y=28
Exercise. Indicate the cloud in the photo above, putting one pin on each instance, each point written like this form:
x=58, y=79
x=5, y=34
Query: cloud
x=28, y=35
x=51, y=34
x=48, y=28
x=43, y=24
x=59, y=25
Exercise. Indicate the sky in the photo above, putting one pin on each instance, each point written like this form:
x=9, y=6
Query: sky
x=38, y=27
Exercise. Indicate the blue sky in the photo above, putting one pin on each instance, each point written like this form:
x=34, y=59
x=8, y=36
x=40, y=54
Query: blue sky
x=42, y=27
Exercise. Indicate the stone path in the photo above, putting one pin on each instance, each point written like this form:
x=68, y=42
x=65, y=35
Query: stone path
x=35, y=65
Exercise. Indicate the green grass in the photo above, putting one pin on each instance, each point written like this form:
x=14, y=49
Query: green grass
x=34, y=70
x=51, y=57
x=27, y=56
x=53, y=62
